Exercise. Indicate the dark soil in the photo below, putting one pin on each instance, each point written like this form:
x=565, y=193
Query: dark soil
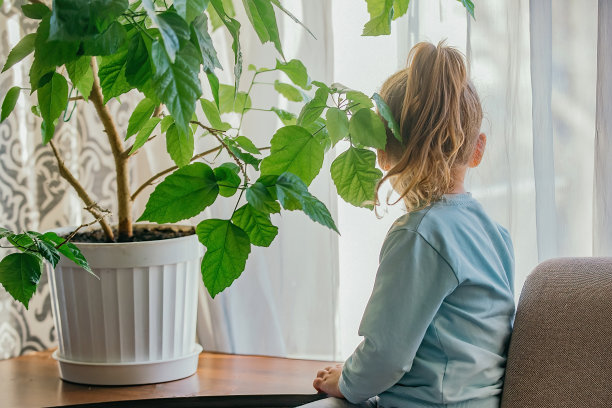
x=141, y=233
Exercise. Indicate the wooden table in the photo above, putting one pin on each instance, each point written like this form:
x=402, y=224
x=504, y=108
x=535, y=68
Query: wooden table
x=222, y=380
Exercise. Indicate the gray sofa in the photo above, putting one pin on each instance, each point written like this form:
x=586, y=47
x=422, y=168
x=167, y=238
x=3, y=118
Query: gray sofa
x=560, y=352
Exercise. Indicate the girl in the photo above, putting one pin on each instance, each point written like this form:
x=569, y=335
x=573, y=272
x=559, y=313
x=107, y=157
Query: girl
x=437, y=325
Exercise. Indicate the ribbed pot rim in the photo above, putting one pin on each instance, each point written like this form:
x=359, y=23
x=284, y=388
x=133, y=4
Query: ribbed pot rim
x=136, y=254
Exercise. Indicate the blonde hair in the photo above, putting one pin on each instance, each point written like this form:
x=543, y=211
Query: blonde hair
x=439, y=115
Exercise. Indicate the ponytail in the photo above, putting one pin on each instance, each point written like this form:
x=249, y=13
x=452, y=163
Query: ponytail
x=439, y=114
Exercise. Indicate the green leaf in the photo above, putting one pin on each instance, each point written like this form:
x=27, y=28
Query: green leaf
x=178, y=25
x=75, y=20
x=24, y=242
x=245, y=157
x=233, y=26
x=190, y=9
x=262, y=17
x=47, y=130
x=227, y=179
x=179, y=146
x=166, y=122
x=81, y=75
x=140, y=116
x=293, y=195
x=296, y=71
x=37, y=71
x=381, y=13
x=278, y=4
x=214, y=86
x=69, y=250
x=356, y=97
x=49, y=54
x=169, y=36
x=288, y=91
x=318, y=129
x=137, y=65
x=313, y=109
x=144, y=133
x=469, y=6
x=112, y=75
x=247, y=144
x=212, y=114
x=261, y=199
x=294, y=150
x=337, y=124
x=24, y=47
x=106, y=43
x=10, y=100
x=231, y=101
x=5, y=232
x=227, y=249
x=202, y=40
x=48, y=251
x=215, y=20
x=183, y=194
x=400, y=7
x=19, y=274
x=177, y=84
x=320, y=84
x=387, y=115
x=355, y=175
x=256, y=224
x=36, y=11
x=287, y=118
x=367, y=129
x=52, y=100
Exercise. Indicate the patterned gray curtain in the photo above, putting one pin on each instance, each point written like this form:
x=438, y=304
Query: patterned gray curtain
x=32, y=195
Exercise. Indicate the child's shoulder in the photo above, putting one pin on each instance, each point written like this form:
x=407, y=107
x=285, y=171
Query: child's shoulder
x=448, y=212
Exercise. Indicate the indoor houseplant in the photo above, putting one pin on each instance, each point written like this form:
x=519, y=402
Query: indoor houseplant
x=93, y=51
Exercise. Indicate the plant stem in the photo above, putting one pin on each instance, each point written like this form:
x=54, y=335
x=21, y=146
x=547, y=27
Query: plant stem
x=158, y=110
x=124, y=199
x=89, y=224
x=168, y=170
x=237, y=202
x=245, y=102
x=257, y=109
x=92, y=207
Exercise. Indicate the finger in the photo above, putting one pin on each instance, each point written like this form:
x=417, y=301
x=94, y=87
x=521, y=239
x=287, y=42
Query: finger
x=317, y=384
x=328, y=368
x=321, y=373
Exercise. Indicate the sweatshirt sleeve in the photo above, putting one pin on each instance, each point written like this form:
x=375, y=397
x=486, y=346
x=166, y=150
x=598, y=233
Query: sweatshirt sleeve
x=412, y=281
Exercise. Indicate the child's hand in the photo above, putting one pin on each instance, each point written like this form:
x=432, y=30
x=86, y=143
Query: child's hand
x=327, y=381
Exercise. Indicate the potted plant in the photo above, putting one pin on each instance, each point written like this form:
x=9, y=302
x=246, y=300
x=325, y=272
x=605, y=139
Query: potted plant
x=133, y=321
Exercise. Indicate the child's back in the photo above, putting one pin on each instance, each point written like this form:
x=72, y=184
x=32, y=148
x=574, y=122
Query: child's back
x=437, y=325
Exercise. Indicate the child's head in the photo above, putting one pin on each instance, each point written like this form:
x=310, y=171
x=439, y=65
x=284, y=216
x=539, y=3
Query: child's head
x=439, y=114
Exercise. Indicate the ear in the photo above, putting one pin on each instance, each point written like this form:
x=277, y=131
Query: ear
x=481, y=143
x=382, y=160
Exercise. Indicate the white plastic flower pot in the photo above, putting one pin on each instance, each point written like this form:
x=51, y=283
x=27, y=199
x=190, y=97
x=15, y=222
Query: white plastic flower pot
x=137, y=323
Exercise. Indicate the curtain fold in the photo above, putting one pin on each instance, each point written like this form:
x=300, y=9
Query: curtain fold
x=602, y=212
x=540, y=28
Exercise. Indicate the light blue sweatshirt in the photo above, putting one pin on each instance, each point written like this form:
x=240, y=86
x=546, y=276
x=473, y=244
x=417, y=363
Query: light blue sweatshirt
x=437, y=325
